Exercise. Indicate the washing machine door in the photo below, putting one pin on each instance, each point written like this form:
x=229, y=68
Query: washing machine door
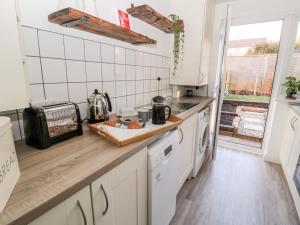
x=204, y=139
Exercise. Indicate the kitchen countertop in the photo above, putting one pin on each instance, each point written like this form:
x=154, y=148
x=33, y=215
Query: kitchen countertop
x=51, y=176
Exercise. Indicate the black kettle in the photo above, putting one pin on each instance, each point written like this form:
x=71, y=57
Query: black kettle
x=99, y=106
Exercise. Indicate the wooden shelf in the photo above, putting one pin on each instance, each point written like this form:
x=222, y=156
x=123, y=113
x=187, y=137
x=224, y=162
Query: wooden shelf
x=152, y=17
x=74, y=18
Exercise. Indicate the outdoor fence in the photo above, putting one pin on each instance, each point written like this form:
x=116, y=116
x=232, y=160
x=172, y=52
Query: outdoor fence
x=253, y=75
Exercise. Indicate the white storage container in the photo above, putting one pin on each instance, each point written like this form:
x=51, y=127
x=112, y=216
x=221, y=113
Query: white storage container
x=9, y=167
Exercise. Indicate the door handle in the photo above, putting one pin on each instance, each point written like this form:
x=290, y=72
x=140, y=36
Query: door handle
x=106, y=200
x=82, y=212
x=181, y=135
x=294, y=122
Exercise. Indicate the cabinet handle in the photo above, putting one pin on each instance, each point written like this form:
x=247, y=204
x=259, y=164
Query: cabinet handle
x=106, y=200
x=295, y=120
x=82, y=212
x=181, y=136
x=292, y=123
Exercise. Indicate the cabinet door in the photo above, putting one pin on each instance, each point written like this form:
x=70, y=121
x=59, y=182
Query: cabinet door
x=13, y=85
x=186, y=152
x=55, y=216
x=79, y=208
x=129, y=191
x=288, y=138
x=294, y=149
x=101, y=198
x=192, y=13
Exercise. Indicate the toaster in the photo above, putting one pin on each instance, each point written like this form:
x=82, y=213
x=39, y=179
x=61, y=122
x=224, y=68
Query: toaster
x=47, y=123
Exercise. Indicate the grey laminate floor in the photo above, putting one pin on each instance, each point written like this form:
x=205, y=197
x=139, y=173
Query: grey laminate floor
x=237, y=188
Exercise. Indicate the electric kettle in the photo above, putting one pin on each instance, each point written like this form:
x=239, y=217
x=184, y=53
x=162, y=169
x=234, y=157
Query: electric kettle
x=99, y=106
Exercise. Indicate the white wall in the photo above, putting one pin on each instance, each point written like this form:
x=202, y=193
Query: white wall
x=34, y=13
x=249, y=11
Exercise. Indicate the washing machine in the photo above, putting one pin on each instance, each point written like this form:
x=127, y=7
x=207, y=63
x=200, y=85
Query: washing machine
x=202, y=138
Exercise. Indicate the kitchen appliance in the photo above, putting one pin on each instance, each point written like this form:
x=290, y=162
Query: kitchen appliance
x=99, y=107
x=201, y=140
x=9, y=172
x=189, y=93
x=162, y=179
x=159, y=110
x=49, y=122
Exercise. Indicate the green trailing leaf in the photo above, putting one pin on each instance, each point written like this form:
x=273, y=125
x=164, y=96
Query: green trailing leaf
x=178, y=40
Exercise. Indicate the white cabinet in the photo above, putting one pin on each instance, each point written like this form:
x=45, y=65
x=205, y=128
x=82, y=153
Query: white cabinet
x=198, y=26
x=120, y=196
x=13, y=85
x=288, y=138
x=76, y=210
x=186, y=149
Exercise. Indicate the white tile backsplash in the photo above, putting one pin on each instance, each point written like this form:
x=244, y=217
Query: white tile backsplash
x=30, y=37
x=120, y=72
x=33, y=70
x=107, y=53
x=93, y=71
x=92, y=51
x=57, y=91
x=130, y=57
x=120, y=55
x=74, y=48
x=108, y=72
x=54, y=70
x=78, y=92
x=51, y=44
x=130, y=72
x=120, y=88
x=37, y=92
x=76, y=71
x=71, y=68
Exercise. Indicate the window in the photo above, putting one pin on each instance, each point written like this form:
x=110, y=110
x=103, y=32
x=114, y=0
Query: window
x=294, y=68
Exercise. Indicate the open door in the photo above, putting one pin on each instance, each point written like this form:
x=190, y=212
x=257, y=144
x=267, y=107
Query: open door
x=220, y=80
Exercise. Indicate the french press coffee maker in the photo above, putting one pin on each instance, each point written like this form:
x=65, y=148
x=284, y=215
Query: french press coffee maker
x=159, y=107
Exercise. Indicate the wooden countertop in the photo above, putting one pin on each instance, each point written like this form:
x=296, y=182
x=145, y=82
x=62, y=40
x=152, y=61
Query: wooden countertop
x=51, y=176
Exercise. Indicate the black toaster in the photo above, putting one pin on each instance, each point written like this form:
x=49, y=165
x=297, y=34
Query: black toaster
x=49, y=123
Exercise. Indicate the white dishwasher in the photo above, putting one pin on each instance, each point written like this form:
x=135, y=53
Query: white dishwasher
x=162, y=179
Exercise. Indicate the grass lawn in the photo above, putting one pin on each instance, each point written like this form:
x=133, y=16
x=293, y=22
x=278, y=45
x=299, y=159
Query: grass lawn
x=247, y=98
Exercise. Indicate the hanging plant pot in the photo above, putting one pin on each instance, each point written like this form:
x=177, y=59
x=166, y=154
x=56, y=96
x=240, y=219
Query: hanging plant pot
x=178, y=30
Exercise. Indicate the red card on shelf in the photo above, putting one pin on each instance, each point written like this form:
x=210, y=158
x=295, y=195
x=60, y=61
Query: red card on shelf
x=124, y=19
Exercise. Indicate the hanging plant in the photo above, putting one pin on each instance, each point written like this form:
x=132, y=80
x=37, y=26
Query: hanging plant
x=178, y=30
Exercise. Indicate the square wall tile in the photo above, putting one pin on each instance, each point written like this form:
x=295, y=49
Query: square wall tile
x=83, y=110
x=153, y=73
x=139, y=73
x=130, y=101
x=93, y=71
x=76, y=71
x=92, y=51
x=120, y=103
x=91, y=86
x=77, y=92
x=154, y=85
x=108, y=72
x=139, y=86
x=159, y=62
x=119, y=55
x=37, y=92
x=147, y=98
x=130, y=57
x=139, y=58
x=33, y=70
x=159, y=72
x=130, y=72
x=139, y=100
x=74, y=48
x=147, y=73
x=120, y=88
x=30, y=37
x=107, y=53
x=147, y=84
x=51, y=44
x=166, y=62
x=110, y=88
x=153, y=61
x=57, y=91
x=113, y=105
x=120, y=72
x=54, y=70
x=130, y=86
x=147, y=59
